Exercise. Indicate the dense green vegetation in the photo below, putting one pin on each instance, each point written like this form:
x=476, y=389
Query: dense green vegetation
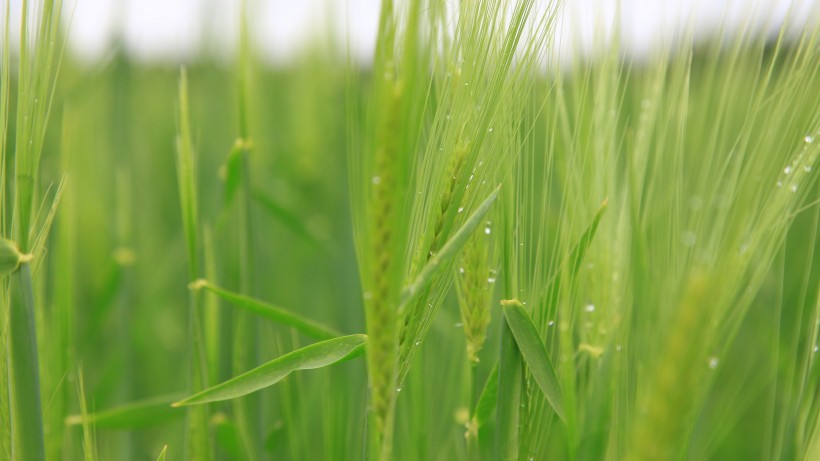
x=454, y=254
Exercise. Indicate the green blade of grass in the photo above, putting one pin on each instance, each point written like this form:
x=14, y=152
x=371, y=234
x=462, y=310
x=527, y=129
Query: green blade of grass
x=448, y=251
x=316, y=355
x=510, y=377
x=134, y=415
x=287, y=218
x=576, y=256
x=487, y=401
x=535, y=354
x=161, y=456
x=27, y=441
x=580, y=249
x=302, y=324
x=227, y=437
x=233, y=171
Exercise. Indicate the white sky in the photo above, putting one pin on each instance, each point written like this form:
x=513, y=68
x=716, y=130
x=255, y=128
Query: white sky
x=173, y=30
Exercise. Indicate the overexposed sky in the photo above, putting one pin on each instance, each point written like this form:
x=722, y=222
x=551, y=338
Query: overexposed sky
x=174, y=30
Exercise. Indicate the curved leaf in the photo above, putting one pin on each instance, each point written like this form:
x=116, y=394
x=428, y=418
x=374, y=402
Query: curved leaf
x=302, y=324
x=535, y=354
x=143, y=413
x=314, y=356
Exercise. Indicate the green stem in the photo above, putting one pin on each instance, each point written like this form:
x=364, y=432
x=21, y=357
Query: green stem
x=24, y=373
x=472, y=395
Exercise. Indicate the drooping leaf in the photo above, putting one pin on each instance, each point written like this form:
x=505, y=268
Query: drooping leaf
x=535, y=354
x=143, y=413
x=302, y=324
x=288, y=219
x=316, y=355
x=449, y=250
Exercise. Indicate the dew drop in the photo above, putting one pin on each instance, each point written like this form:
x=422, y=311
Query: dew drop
x=713, y=362
x=551, y=323
x=787, y=170
x=490, y=130
x=589, y=307
x=377, y=180
x=398, y=389
x=809, y=139
x=487, y=230
x=779, y=183
x=460, y=270
x=816, y=348
x=807, y=168
x=490, y=279
x=793, y=188
x=460, y=209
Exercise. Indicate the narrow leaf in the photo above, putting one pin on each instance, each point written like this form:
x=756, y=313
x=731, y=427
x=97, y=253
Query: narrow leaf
x=580, y=249
x=576, y=256
x=535, y=354
x=161, y=456
x=287, y=218
x=302, y=324
x=311, y=357
x=134, y=415
x=487, y=401
x=449, y=250
x=233, y=171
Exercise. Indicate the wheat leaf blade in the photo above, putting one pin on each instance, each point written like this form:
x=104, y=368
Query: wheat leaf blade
x=449, y=250
x=134, y=415
x=316, y=355
x=277, y=314
x=535, y=354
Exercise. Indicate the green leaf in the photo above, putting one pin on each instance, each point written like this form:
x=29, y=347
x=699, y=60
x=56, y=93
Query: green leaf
x=488, y=399
x=23, y=370
x=510, y=377
x=535, y=354
x=288, y=219
x=161, y=456
x=576, y=256
x=187, y=178
x=580, y=249
x=302, y=324
x=449, y=250
x=227, y=437
x=311, y=357
x=144, y=413
x=233, y=171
